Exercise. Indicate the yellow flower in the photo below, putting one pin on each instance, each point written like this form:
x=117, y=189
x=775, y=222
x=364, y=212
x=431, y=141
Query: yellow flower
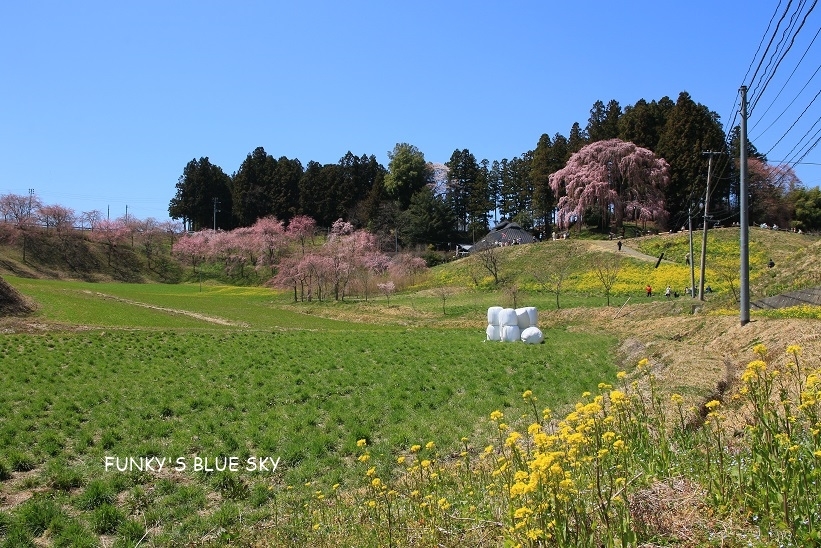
x=522, y=513
x=760, y=349
x=621, y=375
x=425, y=463
x=371, y=471
x=364, y=458
x=361, y=443
x=527, y=394
x=496, y=415
x=677, y=399
x=376, y=483
x=643, y=363
x=371, y=503
x=400, y=460
x=794, y=349
x=415, y=448
x=712, y=405
x=430, y=445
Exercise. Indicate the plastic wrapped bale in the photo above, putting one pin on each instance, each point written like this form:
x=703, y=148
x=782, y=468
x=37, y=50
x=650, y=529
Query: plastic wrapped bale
x=511, y=333
x=507, y=316
x=494, y=333
x=532, y=335
x=522, y=318
x=493, y=315
x=533, y=314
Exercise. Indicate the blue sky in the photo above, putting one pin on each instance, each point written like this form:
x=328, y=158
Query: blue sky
x=102, y=104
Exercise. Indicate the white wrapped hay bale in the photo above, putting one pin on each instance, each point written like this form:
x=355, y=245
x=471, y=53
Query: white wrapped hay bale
x=532, y=335
x=494, y=333
x=522, y=318
x=511, y=333
x=533, y=315
x=493, y=315
x=507, y=316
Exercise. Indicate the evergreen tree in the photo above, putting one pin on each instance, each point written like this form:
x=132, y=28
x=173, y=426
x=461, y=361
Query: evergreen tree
x=284, y=191
x=407, y=173
x=604, y=121
x=199, y=185
x=690, y=130
x=252, y=187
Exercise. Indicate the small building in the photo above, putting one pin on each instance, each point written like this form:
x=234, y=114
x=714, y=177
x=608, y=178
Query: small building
x=504, y=234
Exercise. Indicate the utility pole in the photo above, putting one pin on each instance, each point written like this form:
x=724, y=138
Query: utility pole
x=710, y=155
x=216, y=203
x=744, y=220
x=691, y=256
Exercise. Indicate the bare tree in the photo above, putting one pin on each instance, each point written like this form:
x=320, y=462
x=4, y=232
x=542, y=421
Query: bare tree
x=491, y=259
x=564, y=256
x=443, y=292
x=606, y=267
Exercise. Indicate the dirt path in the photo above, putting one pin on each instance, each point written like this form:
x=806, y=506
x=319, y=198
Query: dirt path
x=196, y=315
x=612, y=247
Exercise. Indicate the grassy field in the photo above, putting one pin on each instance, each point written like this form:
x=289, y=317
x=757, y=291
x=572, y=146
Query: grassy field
x=166, y=374
x=175, y=372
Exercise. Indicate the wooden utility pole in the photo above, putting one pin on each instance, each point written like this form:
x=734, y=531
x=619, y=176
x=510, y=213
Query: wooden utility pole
x=710, y=155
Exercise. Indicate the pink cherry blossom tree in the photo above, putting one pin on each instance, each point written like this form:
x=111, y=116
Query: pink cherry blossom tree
x=269, y=237
x=300, y=229
x=111, y=234
x=194, y=247
x=617, y=177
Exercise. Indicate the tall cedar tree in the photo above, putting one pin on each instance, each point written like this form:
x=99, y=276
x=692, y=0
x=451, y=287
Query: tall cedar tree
x=643, y=122
x=690, y=130
x=252, y=188
x=200, y=183
x=284, y=191
x=604, y=121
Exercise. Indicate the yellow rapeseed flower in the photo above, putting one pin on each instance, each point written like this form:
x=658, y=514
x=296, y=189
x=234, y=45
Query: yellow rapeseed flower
x=794, y=350
x=415, y=448
x=361, y=443
x=527, y=394
x=425, y=463
x=400, y=460
x=430, y=445
x=677, y=399
x=496, y=415
x=363, y=458
x=760, y=349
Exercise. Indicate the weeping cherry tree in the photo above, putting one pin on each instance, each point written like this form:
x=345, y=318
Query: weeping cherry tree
x=618, y=178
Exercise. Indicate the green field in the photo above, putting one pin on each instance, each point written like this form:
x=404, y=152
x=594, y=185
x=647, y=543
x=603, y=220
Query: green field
x=145, y=372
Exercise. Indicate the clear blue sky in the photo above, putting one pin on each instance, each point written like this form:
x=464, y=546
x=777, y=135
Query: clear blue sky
x=102, y=104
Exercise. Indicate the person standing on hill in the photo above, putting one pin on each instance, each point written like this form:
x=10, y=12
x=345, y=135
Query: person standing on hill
x=618, y=244
x=649, y=290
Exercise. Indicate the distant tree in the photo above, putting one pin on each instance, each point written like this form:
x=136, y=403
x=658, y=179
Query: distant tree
x=269, y=237
x=770, y=187
x=807, y=209
x=404, y=268
x=90, y=218
x=490, y=258
x=643, y=122
x=577, y=139
x=604, y=121
x=112, y=234
x=467, y=192
x=284, y=189
x=408, y=172
x=252, y=188
x=690, y=130
x=20, y=210
x=612, y=176
x=300, y=229
x=548, y=157
x=199, y=185
x=387, y=289
x=564, y=256
x=194, y=248
x=428, y=219
x=56, y=216
x=606, y=267
x=444, y=293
